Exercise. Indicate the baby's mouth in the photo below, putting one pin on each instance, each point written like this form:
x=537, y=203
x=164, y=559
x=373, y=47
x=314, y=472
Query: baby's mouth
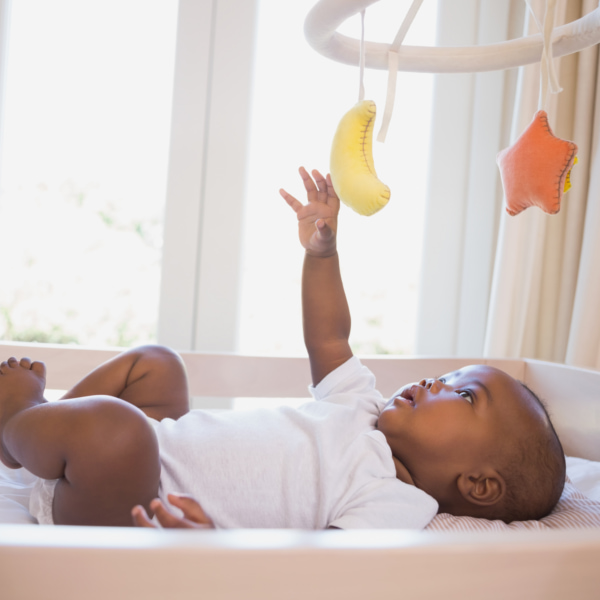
x=405, y=397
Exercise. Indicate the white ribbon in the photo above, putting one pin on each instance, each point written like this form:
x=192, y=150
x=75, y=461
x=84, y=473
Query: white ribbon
x=548, y=76
x=361, y=61
x=393, y=68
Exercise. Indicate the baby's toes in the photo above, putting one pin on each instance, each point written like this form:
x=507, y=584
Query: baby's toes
x=25, y=362
x=39, y=368
x=5, y=365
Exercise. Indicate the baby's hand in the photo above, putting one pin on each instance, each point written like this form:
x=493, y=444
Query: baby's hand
x=317, y=220
x=194, y=516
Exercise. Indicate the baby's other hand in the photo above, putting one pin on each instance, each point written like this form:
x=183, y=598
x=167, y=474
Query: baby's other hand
x=194, y=516
x=317, y=220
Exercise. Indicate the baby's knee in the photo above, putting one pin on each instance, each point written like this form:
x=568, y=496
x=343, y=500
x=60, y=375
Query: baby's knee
x=121, y=431
x=157, y=352
x=156, y=358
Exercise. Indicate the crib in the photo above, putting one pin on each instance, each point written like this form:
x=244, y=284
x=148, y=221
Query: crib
x=94, y=563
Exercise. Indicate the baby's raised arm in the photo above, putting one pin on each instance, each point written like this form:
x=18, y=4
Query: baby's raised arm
x=325, y=312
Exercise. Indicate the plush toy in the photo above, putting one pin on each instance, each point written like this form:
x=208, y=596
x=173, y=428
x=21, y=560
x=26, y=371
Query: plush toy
x=351, y=165
x=536, y=169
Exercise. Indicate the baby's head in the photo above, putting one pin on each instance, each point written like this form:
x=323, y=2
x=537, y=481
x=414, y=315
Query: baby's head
x=479, y=442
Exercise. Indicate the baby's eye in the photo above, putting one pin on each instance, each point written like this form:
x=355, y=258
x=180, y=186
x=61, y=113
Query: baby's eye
x=467, y=395
x=442, y=379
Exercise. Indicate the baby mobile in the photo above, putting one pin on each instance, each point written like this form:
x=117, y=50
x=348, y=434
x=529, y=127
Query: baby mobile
x=535, y=170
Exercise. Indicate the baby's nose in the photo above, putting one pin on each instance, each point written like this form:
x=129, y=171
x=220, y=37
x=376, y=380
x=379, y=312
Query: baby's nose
x=431, y=384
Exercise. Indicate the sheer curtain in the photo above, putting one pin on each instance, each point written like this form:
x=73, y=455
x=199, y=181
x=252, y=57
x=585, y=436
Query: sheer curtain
x=544, y=264
x=528, y=285
x=464, y=199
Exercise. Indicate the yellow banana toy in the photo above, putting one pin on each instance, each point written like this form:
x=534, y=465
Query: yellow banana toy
x=351, y=164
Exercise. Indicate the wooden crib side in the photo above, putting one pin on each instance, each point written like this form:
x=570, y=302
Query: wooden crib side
x=99, y=563
x=573, y=399
x=235, y=375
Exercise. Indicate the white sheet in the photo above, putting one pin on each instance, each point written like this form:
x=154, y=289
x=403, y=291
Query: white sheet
x=585, y=475
x=15, y=489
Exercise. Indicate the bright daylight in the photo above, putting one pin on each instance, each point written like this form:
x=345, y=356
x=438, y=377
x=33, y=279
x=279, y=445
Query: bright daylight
x=85, y=151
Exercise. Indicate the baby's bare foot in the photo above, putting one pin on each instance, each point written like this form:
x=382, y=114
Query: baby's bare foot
x=22, y=386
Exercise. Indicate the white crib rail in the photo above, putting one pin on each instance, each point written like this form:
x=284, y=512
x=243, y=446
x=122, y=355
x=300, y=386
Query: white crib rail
x=100, y=563
x=226, y=375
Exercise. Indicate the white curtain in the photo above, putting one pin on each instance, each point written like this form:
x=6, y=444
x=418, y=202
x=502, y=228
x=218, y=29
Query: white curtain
x=496, y=285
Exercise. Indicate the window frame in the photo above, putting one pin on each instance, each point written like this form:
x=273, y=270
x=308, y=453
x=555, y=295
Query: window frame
x=201, y=267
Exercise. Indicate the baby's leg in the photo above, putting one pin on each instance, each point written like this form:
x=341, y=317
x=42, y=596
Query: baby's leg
x=102, y=450
x=150, y=377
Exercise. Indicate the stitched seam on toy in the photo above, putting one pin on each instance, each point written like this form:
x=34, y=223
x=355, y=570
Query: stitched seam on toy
x=562, y=174
x=544, y=123
x=363, y=143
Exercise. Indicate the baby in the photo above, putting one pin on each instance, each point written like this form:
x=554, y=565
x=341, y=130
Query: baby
x=473, y=442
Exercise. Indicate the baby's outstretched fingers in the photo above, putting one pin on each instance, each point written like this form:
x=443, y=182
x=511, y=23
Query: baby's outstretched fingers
x=317, y=219
x=330, y=189
x=320, y=180
x=316, y=189
x=293, y=202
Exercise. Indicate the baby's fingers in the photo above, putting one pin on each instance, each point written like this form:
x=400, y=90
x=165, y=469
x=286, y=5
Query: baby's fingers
x=191, y=509
x=167, y=519
x=140, y=517
x=330, y=189
x=317, y=189
x=325, y=232
x=320, y=181
x=295, y=204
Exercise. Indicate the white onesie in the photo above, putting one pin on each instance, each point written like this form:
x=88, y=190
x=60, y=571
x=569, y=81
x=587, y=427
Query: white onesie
x=323, y=464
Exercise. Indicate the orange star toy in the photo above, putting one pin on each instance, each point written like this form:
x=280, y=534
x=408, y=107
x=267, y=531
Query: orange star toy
x=536, y=169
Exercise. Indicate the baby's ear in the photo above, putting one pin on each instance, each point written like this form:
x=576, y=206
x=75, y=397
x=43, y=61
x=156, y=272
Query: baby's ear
x=484, y=489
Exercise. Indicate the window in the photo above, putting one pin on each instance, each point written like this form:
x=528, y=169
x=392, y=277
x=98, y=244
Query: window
x=86, y=125
x=91, y=151
x=298, y=99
